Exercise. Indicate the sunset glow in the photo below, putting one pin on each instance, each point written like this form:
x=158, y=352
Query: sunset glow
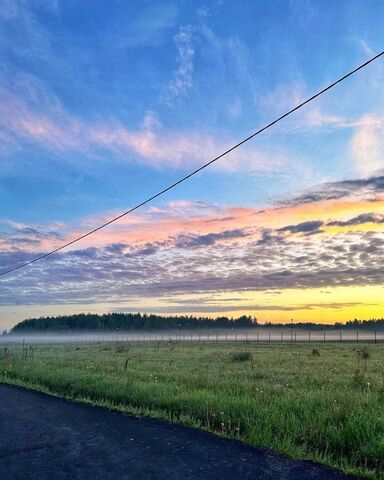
x=95, y=117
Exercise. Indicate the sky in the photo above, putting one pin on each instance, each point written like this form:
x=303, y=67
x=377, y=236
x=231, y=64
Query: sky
x=104, y=103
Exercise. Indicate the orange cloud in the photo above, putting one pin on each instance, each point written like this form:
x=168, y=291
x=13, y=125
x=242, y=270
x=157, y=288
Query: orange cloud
x=195, y=218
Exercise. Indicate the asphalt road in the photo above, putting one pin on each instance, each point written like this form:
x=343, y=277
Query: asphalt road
x=44, y=437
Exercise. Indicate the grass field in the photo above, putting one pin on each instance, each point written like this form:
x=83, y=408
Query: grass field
x=320, y=402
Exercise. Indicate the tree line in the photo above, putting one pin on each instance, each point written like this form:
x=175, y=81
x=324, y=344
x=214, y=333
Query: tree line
x=138, y=321
x=130, y=321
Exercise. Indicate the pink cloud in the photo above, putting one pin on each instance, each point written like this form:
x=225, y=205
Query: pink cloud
x=367, y=145
x=182, y=218
x=39, y=118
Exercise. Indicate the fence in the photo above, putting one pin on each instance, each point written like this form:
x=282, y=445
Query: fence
x=255, y=335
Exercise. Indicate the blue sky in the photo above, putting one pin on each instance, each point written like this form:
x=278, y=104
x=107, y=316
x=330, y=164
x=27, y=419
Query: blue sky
x=104, y=103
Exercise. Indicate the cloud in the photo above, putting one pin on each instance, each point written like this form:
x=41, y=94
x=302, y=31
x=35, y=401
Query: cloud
x=21, y=27
x=29, y=114
x=367, y=145
x=190, y=248
x=366, y=48
x=192, y=241
x=38, y=231
x=309, y=227
x=267, y=237
x=202, y=307
x=100, y=276
x=235, y=108
x=282, y=98
x=30, y=236
x=315, y=118
x=182, y=81
x=194, y=223
x=359, y=220
x=148, y=26
x=219, y=260
x=357, y=188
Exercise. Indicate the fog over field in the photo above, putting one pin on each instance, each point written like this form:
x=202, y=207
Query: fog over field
x=262, y=335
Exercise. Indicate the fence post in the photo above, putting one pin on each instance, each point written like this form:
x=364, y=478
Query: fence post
x=375, y=337
x=357, y=336
x=269, y=336
x=226, y=336
x=309, y=336
x=324, y=336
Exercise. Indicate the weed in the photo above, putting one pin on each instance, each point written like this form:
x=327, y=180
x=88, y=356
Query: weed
x=241, y=356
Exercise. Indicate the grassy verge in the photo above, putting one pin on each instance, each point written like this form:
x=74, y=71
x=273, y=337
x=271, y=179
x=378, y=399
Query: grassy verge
x=324, y=403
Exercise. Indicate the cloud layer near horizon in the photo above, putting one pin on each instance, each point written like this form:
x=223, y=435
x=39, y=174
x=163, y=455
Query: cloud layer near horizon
x=195, y=248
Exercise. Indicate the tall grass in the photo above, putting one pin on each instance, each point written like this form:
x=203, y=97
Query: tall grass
x=280, y=396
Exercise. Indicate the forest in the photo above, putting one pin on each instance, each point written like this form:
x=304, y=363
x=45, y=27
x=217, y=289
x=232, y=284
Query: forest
x=137, y=321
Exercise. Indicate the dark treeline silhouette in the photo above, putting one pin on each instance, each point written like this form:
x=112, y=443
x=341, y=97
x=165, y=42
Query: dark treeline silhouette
x=138, y=321
x=130, y=321
x=372, y=324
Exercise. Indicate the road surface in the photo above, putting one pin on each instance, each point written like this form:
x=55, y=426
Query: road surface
x=47, y=438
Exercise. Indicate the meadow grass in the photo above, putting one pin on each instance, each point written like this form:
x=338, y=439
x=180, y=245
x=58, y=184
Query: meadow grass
x=327, y=406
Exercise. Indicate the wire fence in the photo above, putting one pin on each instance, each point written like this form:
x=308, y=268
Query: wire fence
x=255, y=335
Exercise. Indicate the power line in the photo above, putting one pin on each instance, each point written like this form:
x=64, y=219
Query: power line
x=194, y=172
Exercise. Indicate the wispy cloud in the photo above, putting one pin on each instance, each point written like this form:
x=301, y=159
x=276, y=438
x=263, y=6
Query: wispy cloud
x=367, y=145
x=367, y=49
x=182, y=81
x=21, y=28
x=148, y=26
x=36, y=116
